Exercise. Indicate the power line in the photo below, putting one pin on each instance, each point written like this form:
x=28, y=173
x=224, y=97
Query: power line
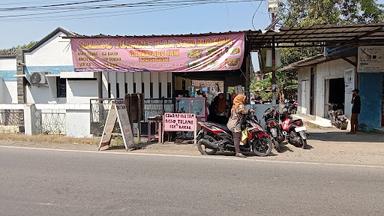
x=94, y=4
x=254, y=15
x=52, y=5
x=133, y=8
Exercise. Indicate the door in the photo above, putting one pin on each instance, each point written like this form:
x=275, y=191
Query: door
x=382, y=104
x=312, y=93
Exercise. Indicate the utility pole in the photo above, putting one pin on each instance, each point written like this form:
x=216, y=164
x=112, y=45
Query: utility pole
x=273, y=6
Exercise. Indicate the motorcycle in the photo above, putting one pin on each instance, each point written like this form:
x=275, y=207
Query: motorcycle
x=291, y=106
x=214, y=137
x=338, y=119
x=271, y=118
x=294, y=130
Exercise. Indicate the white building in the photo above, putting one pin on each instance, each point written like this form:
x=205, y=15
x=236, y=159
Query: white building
x=325, y=80
x=46, y=78
x=8, y=84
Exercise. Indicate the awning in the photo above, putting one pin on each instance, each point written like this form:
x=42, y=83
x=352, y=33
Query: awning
x=317, y=36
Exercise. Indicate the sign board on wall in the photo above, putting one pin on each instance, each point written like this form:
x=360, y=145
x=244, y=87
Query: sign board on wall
x=371, y=59
x=159, y=54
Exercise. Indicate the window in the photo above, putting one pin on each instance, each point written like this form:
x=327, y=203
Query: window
x=160, y=91
x=117, y=90
x=109, y=90
x=151, y=90
x=143, y=89
x=169, y=89
x=61, y=87
x=134, y=87
x=126, y=88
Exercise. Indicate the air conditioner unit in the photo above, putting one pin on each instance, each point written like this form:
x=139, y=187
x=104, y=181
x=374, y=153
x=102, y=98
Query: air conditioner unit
x=38, y=78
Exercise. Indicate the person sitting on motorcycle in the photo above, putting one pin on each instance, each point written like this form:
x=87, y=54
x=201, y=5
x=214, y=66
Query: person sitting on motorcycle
x=234, y=122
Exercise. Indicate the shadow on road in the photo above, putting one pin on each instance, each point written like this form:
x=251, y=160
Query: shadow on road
x=343, y=136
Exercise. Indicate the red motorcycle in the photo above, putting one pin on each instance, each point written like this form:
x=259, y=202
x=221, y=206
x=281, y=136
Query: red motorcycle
x=271, y=118
x=215, y=137
x=294, y=130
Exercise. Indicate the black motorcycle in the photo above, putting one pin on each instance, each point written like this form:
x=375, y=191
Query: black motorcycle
x=215, y=137
x=271, y=117
x=338, y=119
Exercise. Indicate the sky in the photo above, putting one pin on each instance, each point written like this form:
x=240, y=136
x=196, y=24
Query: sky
x=195, y=19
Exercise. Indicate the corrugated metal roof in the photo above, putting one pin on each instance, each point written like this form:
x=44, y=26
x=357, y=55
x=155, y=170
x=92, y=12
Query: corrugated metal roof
x=161, y=35
x=8, y=53
x=318, y=35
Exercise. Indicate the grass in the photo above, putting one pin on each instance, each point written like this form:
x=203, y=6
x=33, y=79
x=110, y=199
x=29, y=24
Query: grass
x=58, y=139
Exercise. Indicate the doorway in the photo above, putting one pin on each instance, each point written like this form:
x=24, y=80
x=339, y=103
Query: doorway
x=382, y=102
x=312, y=93
x=336, y=93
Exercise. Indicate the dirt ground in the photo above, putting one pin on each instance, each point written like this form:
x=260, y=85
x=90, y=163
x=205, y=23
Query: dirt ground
x=328, y=146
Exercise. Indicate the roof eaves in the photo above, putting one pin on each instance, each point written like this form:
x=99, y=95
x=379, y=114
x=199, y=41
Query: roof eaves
x=162, y=35
x=301, y=63
x=49, y=36
x=7, y=56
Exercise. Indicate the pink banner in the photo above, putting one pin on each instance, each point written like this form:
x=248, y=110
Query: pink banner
x=179, y=122
x=159, y=54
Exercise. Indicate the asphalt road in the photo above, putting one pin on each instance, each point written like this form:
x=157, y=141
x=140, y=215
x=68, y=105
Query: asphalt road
x=38, y=182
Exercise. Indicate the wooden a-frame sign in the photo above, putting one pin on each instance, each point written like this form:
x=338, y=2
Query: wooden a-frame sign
x=117, y=112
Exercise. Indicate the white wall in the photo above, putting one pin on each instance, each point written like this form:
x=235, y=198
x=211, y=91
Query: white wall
x=8, y=64
x=324, y=71
x=43, y=94
x=138, y=77
x=55, y=54
x=81, y=91
x=304, y=76
x=56, y=51
x=78, y=123
x=74, y=118
x=8, y=92
x=8, y=84
x=332, y=70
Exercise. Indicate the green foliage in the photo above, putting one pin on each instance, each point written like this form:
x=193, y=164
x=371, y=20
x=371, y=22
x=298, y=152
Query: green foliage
x=301, y=13
x=262, y=88
x=13, y=50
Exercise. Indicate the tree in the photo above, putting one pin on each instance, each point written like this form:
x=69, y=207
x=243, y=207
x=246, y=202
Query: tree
x=302, y=13
x=13, y=50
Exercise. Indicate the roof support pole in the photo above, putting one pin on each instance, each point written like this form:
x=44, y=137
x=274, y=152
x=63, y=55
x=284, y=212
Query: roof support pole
x=21, y=84
x=274, y=87
x=248, y=75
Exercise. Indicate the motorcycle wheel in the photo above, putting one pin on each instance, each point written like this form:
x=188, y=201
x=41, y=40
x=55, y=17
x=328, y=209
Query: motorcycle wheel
x=277, y=146
x=263, y=147
x=294, y=139
x=203, y=149
x=303, y=143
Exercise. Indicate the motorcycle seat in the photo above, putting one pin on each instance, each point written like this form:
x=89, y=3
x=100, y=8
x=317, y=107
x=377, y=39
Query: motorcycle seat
x=223, y=127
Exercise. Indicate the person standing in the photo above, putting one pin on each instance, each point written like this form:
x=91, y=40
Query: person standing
x=356, y=108
x=234, y=122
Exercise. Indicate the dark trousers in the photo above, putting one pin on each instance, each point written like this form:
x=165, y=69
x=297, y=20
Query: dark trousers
x=354, y=122
x=236, y=141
